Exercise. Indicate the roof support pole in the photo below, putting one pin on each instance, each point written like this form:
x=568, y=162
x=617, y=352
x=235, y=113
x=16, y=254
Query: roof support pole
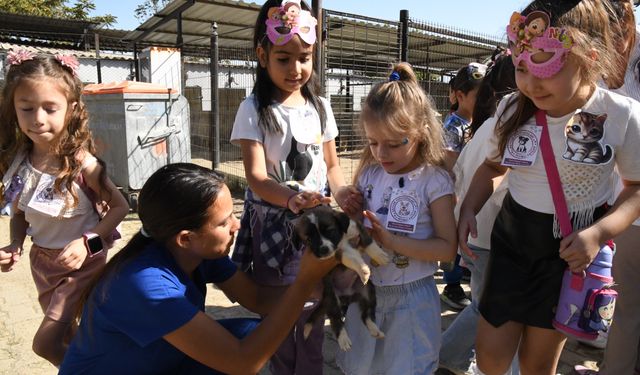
x=214, y=133
x=98, y=68
x=179, y=40
x=319, y=63
x=404, y=35
x=136, y=67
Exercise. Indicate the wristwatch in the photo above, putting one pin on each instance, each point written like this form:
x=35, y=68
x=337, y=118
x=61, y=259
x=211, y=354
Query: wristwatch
x=93, y=243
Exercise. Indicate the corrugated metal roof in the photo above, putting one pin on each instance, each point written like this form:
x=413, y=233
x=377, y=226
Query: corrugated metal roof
x=77, y=53
x=235, y=21
x=367, y=44
x=57, y=33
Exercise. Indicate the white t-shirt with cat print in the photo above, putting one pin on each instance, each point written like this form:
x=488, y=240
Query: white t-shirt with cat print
x=296, y=156
x=586, y=172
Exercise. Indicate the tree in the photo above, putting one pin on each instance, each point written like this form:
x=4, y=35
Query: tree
x=79, y=10
x=149, y=8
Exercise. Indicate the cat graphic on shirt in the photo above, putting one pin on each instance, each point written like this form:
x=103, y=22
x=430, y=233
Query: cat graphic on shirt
x=584, y=135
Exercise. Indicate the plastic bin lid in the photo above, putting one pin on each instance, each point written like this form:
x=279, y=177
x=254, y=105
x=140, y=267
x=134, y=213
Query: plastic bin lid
x=126, y=87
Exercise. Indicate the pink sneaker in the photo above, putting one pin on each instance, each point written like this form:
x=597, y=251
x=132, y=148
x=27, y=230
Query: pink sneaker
x=582, y=370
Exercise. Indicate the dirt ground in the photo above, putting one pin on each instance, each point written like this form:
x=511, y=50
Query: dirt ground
x=20, y=316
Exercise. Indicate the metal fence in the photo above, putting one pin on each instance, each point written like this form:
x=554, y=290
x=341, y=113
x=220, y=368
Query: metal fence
x=357, y=53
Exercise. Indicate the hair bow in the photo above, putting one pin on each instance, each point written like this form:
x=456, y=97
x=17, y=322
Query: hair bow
x=70, y=62
x=20, y=56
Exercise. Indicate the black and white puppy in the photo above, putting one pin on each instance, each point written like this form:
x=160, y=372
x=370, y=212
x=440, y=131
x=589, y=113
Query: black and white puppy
x=330, y=233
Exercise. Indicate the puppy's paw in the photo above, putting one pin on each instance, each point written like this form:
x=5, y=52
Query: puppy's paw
x=378, y=256
x=374, y=330
x=306, y=330
x=364, y=272
x=343, y=340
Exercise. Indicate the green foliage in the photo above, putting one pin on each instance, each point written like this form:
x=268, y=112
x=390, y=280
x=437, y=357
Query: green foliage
x=149, y=8
x=78, y=10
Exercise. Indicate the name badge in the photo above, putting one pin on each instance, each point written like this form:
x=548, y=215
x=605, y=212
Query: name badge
x=45, y=199
x=522, y=148
x=404, y=206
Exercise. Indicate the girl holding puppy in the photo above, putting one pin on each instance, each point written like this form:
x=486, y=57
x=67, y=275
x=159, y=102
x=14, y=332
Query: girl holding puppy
x=408, y=197
x=286, y=132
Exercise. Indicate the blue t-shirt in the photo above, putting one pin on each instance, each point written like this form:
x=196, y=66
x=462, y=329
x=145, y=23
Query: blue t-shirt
x=127, y=315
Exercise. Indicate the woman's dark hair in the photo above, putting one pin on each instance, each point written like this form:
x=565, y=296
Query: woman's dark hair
x=467, y=79
x=265, y=90
x=499, y=81
x=587, y=21
x=176, y=197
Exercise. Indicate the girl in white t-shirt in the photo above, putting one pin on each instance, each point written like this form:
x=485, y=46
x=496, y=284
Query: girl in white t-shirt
x=409, y=206
x=560, y=50
x=51, y=182
x=287, y=136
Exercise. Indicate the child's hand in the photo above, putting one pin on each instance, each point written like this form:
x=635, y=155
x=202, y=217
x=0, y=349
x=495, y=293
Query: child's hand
x=306, y=199
x=9, y=256
x=349, y=198
x=73, y=255
x=580, y=248
x=467, y=225
x=379, y=233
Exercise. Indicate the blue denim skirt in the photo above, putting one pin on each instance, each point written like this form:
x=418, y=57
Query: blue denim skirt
x=409, y=317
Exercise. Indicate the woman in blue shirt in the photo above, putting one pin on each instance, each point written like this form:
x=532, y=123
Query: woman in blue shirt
x=145, y=313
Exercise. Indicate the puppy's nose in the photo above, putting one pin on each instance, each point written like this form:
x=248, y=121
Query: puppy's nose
x=324, y=250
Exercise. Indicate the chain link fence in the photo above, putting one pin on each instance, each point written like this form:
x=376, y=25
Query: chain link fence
x=357, y=52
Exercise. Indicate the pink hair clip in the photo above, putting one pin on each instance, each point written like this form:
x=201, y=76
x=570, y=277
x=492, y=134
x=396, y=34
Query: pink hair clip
x=20, y=56
x=70, y=62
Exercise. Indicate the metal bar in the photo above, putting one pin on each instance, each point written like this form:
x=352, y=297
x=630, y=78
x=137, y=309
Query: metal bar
x=455, y=34
x=98, y=68
x=362, y=18
x=214, y=133
x=404, y=34
x=136, y=62
x=318, y=65
x=179, y=31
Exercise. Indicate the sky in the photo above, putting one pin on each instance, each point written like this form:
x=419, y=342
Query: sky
x=487, y=17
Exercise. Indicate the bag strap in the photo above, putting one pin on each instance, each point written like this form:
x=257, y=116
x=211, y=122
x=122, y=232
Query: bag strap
x=555, y=185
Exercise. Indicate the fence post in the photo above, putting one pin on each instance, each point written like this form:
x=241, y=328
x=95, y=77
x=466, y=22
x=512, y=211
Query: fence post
x=136, y=63
x=404, y=35
x=214, y=133
x=319, y=63
x=98, y=68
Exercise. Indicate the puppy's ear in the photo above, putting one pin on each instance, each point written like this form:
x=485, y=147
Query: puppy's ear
x=300, y=233
x=342, y=219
